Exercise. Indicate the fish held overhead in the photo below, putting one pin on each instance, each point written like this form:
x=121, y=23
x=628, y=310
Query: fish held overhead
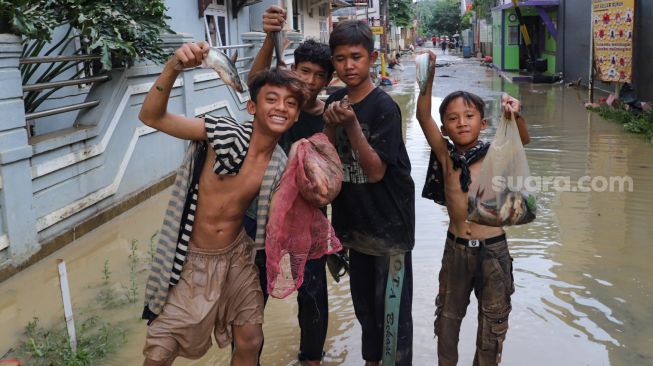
x=225, y=67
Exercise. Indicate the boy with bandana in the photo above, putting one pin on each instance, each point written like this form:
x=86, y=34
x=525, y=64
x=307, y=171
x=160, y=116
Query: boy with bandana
x=475, y=257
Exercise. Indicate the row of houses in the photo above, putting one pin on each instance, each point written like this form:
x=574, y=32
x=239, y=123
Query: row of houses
x=84, y=157
x=561, y=33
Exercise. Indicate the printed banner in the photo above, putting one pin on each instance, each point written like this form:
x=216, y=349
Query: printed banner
x=613, y=39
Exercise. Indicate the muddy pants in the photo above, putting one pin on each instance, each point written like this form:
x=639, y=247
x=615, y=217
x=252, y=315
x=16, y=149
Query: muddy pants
x=484, y=266
x=368, y=281
x=313, y=306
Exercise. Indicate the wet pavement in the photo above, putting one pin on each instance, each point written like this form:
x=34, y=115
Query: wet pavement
x=582, y=269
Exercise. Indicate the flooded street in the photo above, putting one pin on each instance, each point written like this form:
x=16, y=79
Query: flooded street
x=582, y=269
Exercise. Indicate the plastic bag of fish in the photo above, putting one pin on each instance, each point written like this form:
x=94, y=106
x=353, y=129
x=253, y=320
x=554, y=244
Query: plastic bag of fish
x=500, y=195
x=423, y=64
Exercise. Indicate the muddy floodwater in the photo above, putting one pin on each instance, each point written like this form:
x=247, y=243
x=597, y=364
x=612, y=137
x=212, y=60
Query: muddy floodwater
x=582, y=270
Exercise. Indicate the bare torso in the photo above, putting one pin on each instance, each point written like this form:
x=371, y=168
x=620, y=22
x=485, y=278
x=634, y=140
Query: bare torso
x=223, y=200
x=457, y=205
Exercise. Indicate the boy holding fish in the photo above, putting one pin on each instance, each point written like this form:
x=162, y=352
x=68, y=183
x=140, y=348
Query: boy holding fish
x=476, y=256
x=312, y=64
x=374, y=215
x=203, y=279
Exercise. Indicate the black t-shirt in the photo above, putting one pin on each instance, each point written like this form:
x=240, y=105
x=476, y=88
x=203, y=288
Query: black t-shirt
x=306, y=126
x=375, y=218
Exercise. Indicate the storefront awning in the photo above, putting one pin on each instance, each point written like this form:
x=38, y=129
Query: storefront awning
x=530, y=3
x=539, y=5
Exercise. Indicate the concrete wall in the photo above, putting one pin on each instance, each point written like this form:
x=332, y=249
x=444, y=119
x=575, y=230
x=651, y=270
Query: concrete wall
x=551, y=45
x=575, y=33
x=52, y=186
x=642, y=69
x=497, y=27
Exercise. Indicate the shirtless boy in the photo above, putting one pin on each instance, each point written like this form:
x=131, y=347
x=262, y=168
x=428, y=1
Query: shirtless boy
x=475, y=257
x=202, y=242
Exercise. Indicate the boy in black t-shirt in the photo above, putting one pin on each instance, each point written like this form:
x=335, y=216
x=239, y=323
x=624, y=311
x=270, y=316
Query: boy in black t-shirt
x=374, y=214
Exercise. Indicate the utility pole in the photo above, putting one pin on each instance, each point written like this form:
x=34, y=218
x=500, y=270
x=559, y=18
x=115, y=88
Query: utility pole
x=383, y=15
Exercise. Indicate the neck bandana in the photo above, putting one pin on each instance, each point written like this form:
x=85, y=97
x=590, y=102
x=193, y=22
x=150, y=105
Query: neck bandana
x=434, y=184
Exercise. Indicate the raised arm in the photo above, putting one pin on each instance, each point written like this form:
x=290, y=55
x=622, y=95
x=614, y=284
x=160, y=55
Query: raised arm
x=273, y=20
x=511, y=105
x=154, y=111
x=426, y=121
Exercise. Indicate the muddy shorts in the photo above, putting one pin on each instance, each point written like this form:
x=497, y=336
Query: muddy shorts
x=217, y=289
x=485, y=267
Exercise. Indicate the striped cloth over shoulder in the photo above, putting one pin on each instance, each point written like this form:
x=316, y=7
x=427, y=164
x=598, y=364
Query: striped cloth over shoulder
x=230, y=142
x=171, y=248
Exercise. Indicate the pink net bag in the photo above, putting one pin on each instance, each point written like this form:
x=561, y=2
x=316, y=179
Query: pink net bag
x=297, y=230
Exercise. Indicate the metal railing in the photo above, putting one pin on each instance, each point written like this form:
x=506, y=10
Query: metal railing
x=62, y=83
x=229, y=47
x=48, y=59
x=58, y=110
x=87, y=80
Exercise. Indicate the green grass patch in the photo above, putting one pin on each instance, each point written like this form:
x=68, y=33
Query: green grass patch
x=640, y=123
x=96, y=340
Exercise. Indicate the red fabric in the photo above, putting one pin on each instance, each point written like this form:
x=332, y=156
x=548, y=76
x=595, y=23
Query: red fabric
x=297, y=230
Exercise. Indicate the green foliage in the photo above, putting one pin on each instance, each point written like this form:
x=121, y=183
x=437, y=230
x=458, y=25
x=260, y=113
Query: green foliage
x=95, y=341
x=401, y=12
x=106, y=273
x=640, y=123
x=424, y=13
x=27, y=17
x=483, y=8
x=446, y=17
x=466, y=21
x=107, y=298
x=133, y=271
x=152, y=249
x=122, y=31
x=119, y=31
x=441, y=17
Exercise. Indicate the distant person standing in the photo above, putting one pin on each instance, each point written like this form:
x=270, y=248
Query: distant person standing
x=434, y=40
x=443, y=45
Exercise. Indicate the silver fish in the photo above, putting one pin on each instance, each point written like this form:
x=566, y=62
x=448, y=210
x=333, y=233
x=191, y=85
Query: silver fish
x=225, y=67
x=423, y=64
x=517, y=208
x=344, y=102
x=279, y=39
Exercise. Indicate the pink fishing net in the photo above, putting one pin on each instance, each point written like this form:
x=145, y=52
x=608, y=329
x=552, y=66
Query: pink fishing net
x=297, y=230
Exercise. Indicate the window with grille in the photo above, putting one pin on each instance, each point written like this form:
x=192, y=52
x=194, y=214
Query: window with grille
x=216, y=24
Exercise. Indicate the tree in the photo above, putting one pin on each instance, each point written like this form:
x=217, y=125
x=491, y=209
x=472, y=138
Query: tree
x=401, y=12
x=424, y=13
x=483, y=8
x=446, y=17
x=466, y=20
